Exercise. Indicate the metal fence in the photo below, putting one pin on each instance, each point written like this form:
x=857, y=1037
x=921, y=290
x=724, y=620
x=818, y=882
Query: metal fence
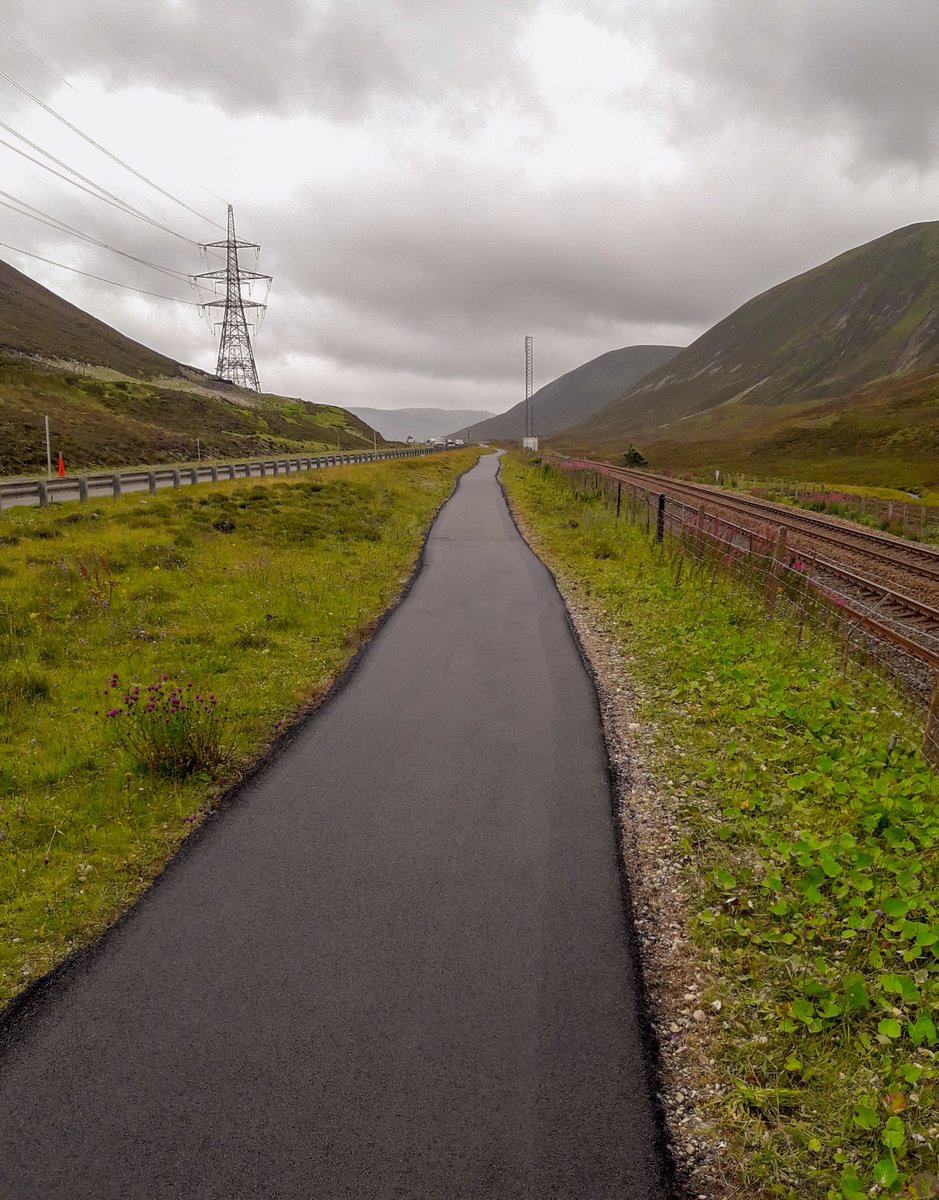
x=791, y=584
x=116, y=483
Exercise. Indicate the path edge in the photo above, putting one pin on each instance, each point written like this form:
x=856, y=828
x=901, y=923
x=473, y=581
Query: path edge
x=616, y=784
x=17, y=1010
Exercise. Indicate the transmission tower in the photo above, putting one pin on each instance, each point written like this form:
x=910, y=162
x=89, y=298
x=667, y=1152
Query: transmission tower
x=529, y=382
x=235, y=356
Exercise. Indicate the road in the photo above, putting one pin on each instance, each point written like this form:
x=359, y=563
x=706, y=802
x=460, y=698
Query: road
x=397, y=965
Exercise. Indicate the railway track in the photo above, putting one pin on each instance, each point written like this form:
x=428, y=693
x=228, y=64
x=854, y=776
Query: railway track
x=909, y=616
x=909, y=556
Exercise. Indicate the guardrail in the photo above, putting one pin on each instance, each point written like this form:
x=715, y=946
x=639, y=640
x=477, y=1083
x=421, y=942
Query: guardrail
x=115, y=483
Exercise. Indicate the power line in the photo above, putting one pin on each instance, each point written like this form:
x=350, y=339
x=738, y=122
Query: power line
x=128, y=287
x=39, y=60
x=103, y=149
x=44, y=218
x=99, y=193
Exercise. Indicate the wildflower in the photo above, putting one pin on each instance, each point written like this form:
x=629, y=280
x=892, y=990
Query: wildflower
x=114, y=712
x=156, y=568
x=33, y=616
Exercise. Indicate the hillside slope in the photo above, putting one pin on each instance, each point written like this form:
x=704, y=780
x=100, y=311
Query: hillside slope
x=421, y=424
x=115, y=423
x=571, y=397
x=113, y=402
x=37, y=322
x=870, y=313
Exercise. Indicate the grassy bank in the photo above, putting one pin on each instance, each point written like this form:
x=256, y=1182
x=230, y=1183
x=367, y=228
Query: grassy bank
x=810, y=845
x=256, y=593
x=126, y=422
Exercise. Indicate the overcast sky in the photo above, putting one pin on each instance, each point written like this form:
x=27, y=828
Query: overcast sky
x=430, y=181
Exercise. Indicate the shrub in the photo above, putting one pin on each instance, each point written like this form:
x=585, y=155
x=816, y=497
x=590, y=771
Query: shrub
x=169, y=727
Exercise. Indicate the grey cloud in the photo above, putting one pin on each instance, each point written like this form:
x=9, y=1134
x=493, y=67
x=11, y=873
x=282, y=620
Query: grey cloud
x=338, y=57
x=858, y=70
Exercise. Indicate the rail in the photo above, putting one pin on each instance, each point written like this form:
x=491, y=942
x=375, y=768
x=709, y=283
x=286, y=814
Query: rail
x=765, y=559
x=89, y=486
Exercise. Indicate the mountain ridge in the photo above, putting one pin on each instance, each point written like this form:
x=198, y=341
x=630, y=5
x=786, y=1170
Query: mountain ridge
x=871, y=312
x=577, y=393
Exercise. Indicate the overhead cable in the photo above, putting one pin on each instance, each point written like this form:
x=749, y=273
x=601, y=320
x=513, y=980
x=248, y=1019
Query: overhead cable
x=42, y=62
x=101, y=278
x=104, y=150
x=37, y=214
x=99, y=192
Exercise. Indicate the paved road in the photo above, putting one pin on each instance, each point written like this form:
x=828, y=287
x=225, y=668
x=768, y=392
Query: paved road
x=395, y=967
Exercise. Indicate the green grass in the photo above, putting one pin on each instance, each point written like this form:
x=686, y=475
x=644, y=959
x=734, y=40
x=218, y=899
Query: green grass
x=258, y=592
x=813, y=870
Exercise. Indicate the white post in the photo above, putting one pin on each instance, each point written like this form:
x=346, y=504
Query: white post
x=48, y=451
x=198, y=450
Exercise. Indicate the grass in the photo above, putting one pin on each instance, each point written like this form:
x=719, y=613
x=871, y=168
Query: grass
x=810, y=837
x=255, y=592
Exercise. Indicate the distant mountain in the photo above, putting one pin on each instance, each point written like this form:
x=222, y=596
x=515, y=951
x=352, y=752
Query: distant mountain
x=869, y=314
x=114, y=402
x=398, y=424
x=567, y=400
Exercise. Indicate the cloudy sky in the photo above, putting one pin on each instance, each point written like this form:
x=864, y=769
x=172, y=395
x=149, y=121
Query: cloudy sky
x=430, y=181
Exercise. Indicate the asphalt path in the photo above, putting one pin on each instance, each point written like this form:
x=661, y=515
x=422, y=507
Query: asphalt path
x=396, y=965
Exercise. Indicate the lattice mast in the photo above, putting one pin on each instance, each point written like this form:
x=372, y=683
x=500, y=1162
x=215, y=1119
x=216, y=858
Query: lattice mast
x=529, y=386
x=235, y=355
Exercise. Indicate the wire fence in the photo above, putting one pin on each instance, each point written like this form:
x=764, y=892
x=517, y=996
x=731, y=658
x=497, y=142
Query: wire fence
x=791, y=585
x=905, y=518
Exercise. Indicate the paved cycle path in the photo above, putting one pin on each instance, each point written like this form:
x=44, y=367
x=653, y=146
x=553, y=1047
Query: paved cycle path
x=396, y=966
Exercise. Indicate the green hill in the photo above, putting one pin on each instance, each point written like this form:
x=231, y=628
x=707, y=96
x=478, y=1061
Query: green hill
x=571, y=397
x=113, y=402
x=868, y=314
x=833, y=374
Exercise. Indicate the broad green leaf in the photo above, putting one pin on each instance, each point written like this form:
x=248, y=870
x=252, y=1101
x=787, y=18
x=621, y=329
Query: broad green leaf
x=894, y=1133
x=889, y=1028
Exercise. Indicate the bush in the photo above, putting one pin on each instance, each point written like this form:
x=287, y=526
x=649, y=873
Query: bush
x=168, y=727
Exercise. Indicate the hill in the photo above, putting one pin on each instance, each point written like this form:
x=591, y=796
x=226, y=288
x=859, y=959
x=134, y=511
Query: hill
x=398, y=424
x=113, y=402
x=572, y=397
x=37, y=322
x=870, y=314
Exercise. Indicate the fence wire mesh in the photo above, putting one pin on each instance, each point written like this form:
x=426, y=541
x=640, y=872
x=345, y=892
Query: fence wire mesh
x=794, y=586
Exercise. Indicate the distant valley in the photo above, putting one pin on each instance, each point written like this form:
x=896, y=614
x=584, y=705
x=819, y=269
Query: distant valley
x=398, y=424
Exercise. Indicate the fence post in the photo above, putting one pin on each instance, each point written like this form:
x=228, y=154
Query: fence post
x=213, y=471
x=619, y=497
x=931, y=725
x=43, y=492
x=632, y=505
x=772, y=575
x=660, y=518
x=116, y=485
x=83, y=488
x=177, y=479
x=151, y=482
x=193, y=474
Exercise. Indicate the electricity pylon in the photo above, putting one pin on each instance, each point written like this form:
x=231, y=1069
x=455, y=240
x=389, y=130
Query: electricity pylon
x=235, y=356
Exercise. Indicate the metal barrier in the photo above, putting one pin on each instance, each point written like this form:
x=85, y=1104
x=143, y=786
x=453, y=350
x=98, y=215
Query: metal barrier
x=115, y=483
